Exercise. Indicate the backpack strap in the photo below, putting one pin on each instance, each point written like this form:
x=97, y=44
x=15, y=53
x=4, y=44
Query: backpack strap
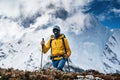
x=51, y=45
x=50, y=42
x=52, y=36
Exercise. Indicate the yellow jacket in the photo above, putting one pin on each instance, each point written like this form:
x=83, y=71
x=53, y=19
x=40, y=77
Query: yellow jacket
x=57, y=47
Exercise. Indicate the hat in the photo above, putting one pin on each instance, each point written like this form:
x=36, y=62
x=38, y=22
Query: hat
x=56, y=27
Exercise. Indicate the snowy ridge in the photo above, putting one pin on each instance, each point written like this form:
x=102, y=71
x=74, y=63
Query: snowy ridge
x=111, y=53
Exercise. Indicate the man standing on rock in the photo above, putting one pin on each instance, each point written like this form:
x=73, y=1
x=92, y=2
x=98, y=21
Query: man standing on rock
x=60, y=50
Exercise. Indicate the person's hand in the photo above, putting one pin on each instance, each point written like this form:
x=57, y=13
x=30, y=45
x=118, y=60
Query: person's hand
x=66, y=56
x=42, y=43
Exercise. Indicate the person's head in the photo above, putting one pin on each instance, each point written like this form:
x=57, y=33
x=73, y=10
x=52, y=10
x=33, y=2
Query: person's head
x=56, y=31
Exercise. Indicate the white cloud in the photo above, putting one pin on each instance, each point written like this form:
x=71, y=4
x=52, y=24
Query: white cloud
x=116, y=11
x=101, y=17
x=76, y=22
x=12, y=8
x=15, y=8
x=30, y=7
x=9, y=8
x=9, y=30
x=69, y=4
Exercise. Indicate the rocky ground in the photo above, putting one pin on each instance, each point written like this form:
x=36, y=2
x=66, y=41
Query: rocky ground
x=52, y=74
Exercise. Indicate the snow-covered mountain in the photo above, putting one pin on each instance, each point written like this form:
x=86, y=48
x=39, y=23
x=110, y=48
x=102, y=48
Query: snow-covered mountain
x=111, y=53
x=93, y=45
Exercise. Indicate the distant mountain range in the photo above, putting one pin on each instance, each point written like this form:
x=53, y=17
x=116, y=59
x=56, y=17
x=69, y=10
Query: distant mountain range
x=93, y=45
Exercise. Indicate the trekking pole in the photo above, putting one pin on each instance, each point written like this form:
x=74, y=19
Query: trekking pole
x=68, y=65
x=42, y=54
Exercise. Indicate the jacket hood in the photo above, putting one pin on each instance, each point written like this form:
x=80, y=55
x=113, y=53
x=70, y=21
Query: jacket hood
x=56, y=27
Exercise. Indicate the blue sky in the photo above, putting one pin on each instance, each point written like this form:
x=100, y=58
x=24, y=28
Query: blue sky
x=106, y=11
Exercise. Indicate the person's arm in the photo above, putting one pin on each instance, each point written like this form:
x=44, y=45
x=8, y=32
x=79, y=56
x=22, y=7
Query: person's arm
x=45, y=47
x=68, y=50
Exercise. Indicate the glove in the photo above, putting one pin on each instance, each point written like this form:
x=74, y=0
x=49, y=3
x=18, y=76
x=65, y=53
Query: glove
x=66, y=56
x=42, y=43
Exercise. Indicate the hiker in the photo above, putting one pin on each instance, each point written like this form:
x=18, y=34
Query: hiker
x=60, y=50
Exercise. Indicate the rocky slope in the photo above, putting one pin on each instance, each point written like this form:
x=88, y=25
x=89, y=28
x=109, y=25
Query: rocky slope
x=52, y=74
x=93, y=45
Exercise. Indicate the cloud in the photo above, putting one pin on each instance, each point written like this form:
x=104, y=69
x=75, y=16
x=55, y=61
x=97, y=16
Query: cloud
x=116, y=11
x=9, y=30
x=9, y=8
x=101, y=17
x=37, y=15
x=14, y=7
